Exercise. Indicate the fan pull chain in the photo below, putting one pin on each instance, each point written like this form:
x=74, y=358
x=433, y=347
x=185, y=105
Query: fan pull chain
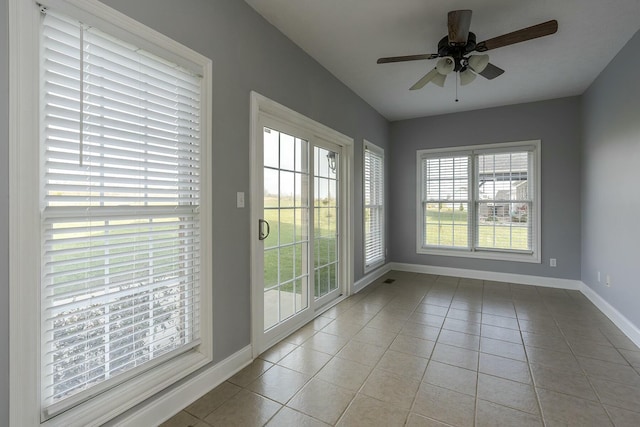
x=456, y=87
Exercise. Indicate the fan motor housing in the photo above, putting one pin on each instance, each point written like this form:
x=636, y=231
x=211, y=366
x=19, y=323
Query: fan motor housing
x=457, y=52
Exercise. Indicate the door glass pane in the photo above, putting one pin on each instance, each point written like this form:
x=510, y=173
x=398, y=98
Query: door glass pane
x=271, y=216
x=287, y=189
x=287, y=300
x=287, y=226
x=286, y=263
x=286, y=210
x=287, y=152
x=326, y=215
x=270, y=268
x=301, y=289
x=271, y=149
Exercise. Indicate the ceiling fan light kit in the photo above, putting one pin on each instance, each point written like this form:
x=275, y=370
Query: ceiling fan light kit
x=466, y=77
x=454, y=50
x=478, y=62
x=445, y=65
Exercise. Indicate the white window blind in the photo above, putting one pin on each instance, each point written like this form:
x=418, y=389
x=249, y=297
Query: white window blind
x=373, y=205
x=120, y=213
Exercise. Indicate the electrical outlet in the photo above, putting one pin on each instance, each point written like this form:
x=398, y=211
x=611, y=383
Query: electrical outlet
x=240, y=199
x=552, y=262
x=608, y=282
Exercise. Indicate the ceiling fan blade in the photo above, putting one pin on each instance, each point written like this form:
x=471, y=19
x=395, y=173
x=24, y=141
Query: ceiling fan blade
x=491, y=72
x=407, y=58
x=426, y=79
x=458, y=22
x=529, y=33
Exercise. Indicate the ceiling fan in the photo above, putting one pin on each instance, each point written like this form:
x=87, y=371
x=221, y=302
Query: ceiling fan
x=454, y=50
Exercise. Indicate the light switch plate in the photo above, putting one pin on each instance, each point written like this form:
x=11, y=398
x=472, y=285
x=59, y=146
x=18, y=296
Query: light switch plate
x=240, y=199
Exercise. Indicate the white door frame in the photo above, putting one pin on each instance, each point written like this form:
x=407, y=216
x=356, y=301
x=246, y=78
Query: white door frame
x=264, y=107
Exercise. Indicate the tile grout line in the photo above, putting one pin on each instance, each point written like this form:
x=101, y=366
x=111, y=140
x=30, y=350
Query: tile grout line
x=548, y=300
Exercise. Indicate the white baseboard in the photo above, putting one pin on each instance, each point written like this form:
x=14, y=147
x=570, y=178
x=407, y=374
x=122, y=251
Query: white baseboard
x=170, y=403
x=625, y=325
x=370, y=278
x=523, y=279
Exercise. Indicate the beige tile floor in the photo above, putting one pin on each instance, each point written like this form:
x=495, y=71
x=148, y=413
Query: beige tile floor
x=438, y=351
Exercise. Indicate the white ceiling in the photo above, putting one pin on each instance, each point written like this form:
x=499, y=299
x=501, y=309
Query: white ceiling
x=347, y=37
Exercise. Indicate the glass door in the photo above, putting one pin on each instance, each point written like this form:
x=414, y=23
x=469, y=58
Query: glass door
x=284, y=228
x=297, y=264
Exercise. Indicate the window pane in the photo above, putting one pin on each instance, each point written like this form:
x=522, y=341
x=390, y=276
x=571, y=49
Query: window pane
x=287, y=189
x=271, y=216
x=445, y=180
x=287, y=151
x=504, y=226
x=287, y=300
x=446, y=224
x=270, y=268
x=285, y=226
x=121, y=156
x=503, y=211
x=271, y=148
x=286, y=263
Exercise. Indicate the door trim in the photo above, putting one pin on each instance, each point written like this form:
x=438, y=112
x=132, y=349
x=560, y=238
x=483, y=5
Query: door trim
x=262, y=106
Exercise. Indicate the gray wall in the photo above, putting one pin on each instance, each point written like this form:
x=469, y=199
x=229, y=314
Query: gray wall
x=555, y=123
x=248, y=54
x=611, y=182
x=4, y=216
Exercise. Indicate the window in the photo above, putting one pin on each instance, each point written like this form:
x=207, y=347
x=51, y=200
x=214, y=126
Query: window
x=480, y=201
x=374, y=250
x=124, y=176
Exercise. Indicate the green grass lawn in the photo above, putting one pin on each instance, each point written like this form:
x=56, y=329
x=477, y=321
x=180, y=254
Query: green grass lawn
x=289, y=230
x=131, y=257
x=448, y=227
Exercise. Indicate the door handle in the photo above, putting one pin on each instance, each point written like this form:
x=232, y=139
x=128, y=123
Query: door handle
x=261, y=234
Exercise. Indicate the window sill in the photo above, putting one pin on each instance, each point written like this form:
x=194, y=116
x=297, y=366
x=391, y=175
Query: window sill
x=533, y=258
x=113, y=402
x=374, y=266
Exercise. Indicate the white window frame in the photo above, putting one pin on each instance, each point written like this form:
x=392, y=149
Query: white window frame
x=472, y=252
x=368, y=146
x=24, y=216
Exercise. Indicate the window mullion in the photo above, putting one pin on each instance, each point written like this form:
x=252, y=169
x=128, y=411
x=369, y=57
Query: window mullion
x=473, y=197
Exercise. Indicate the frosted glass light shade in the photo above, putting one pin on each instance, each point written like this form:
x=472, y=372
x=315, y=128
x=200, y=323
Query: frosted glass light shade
x=466, y=77
x=445, y=65
x=478, y=62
